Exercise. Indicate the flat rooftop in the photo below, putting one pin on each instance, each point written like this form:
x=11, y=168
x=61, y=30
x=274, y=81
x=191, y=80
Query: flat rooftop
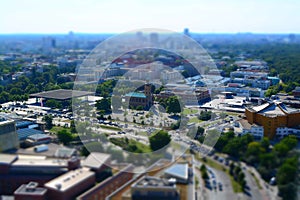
x=26, y=132
x=61, y=94
x=96, y=160
x=178, y=171
x=4, y=121
x=31, y=188
x=154, y=182
x=70, y=179
x=39, y=137
x=38, y=161
x=7, y=158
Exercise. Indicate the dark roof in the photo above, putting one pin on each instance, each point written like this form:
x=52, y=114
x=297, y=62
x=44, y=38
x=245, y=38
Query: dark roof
x=25, y=132
x=61, y=94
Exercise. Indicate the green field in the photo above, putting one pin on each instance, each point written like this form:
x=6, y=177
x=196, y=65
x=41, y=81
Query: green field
x=194, y=120
x=131, y=145
x=188, y=111
x=55, y=129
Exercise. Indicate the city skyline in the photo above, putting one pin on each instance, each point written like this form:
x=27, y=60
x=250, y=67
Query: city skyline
x=119, y=16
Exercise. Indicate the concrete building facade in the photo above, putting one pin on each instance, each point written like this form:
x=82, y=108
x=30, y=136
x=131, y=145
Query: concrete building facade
x=8, y=135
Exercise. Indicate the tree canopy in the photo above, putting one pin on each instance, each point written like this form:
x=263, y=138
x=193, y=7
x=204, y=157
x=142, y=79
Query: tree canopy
x=159, y=140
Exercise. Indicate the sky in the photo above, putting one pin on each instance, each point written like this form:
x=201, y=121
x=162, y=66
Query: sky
x=116, y=16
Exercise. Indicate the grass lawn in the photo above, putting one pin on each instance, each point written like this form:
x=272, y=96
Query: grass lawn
x=131, y=145
x=142, y=133
x=55, y=129
x=195, y=120
x=188, y=111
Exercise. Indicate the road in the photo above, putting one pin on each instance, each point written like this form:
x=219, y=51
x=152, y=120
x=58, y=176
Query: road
x=207, y=193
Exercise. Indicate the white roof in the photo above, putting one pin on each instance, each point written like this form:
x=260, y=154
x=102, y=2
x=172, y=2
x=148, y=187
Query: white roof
x=70, y=179
x=96, y=160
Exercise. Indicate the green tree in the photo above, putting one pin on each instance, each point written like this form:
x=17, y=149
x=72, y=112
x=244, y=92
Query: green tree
x=159, y=140
x=287, y=171
x=203, y=171
x=265, y=143
x=104, y=104
x=64, y=136
x=282, y=149
x=48, y=119
x=173, y=105
x=205, y=115
x=52, y=103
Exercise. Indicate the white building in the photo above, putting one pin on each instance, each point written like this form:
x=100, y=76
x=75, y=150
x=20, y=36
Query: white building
x=243, y=127
x=285, y=131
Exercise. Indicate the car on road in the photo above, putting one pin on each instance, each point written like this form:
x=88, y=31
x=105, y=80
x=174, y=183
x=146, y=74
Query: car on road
x=220, y=186
x=214, y=184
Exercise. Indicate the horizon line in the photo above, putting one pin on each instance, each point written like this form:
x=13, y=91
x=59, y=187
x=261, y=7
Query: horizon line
x=113, y=33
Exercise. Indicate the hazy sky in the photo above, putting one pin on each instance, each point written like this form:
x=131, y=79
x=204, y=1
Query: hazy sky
x=113, y=16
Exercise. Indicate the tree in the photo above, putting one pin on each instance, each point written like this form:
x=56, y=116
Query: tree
x=288, y=191
x=200, y=132
x=159, y=140
x=255, y=149
x=268, y=160
x=104, y=104
x=287, y=171
x=290, y=141
x=73, y=127
x=223, y=140
x=52, y=103
x=282, y=149
x=173, y=105
x=65, y=136
x=203, y=171
x=287, y=178
x=139, y=107
x=48, y=119
x=205, y=115
x=265, y=143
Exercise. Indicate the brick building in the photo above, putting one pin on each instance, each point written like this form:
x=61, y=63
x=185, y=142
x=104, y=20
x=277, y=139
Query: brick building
x=136, y=99
x=273, y=115
x=108, y=186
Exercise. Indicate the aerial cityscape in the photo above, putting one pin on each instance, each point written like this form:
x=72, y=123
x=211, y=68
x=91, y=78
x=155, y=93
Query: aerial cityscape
x=107, y=111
